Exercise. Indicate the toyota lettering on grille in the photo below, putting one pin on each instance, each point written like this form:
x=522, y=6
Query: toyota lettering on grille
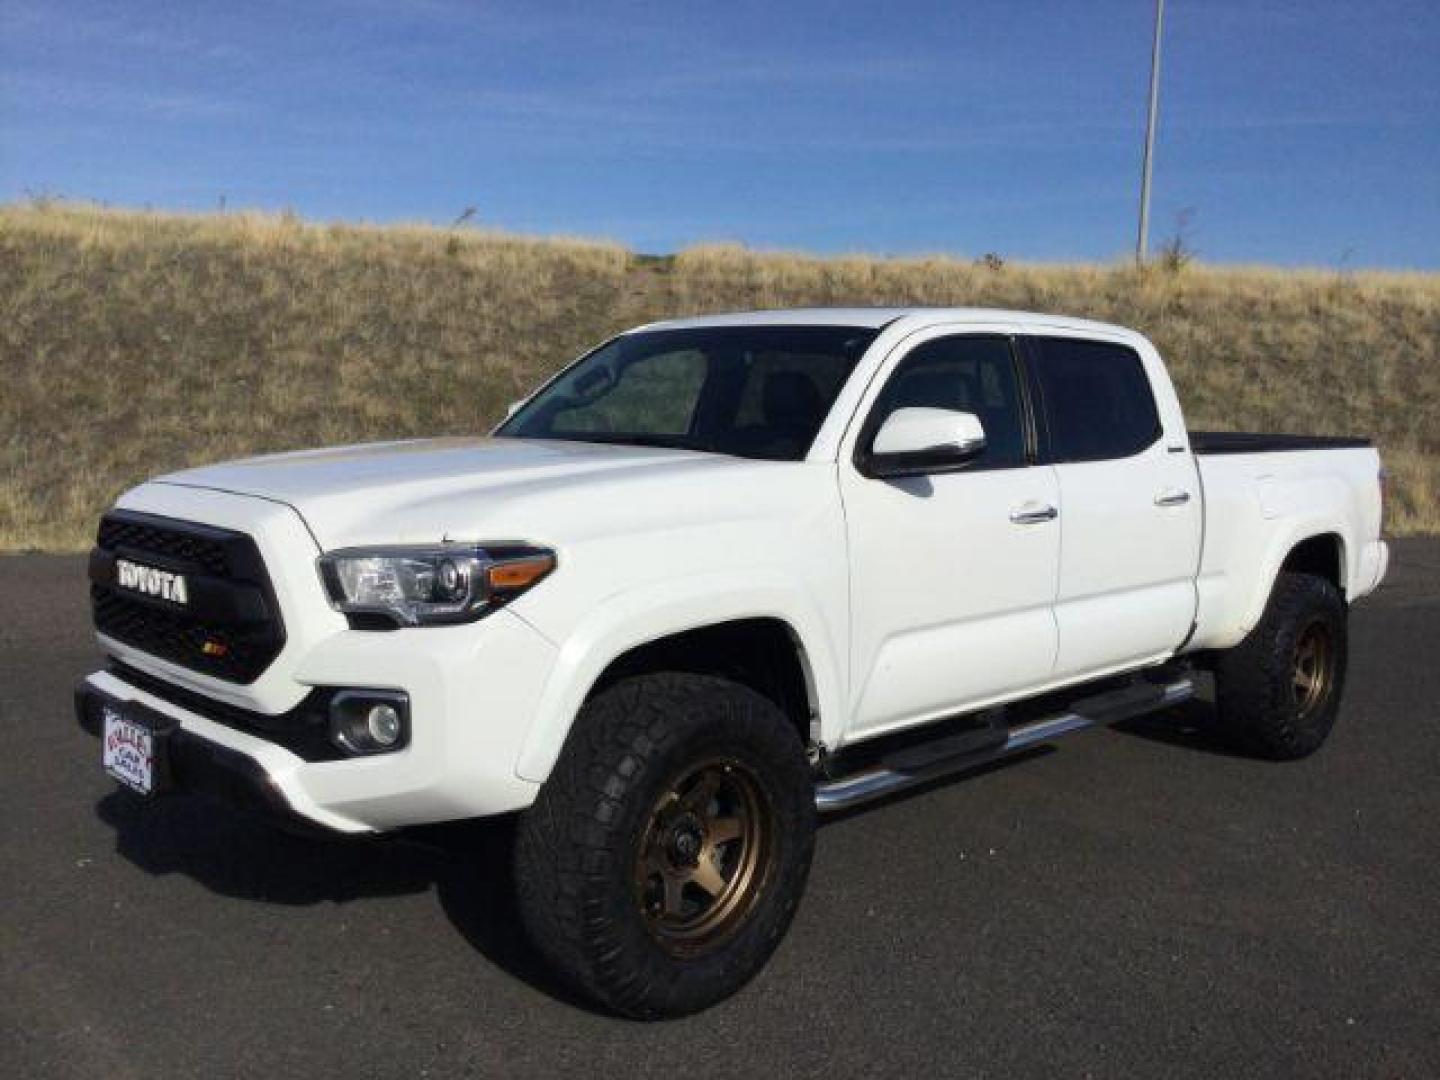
x=150, y=581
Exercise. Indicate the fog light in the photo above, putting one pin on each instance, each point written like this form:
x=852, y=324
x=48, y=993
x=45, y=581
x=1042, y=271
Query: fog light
x=369, y=721
x=383, y=723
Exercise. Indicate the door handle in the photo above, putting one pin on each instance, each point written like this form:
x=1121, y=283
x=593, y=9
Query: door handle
x=1032, y=514
x=1172, y=497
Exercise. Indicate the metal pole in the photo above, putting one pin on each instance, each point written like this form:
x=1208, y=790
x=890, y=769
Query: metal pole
x=1140, y=240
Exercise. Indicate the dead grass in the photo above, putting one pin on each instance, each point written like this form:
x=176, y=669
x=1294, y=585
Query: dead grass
x=135, y=343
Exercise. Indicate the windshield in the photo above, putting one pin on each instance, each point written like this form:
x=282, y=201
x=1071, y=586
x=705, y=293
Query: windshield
x=752, y=391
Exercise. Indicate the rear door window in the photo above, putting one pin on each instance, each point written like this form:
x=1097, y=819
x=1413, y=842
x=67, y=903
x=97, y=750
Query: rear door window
x=1095, y=400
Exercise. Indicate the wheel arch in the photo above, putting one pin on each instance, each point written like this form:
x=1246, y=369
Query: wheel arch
x=761, y=652
x=773, y=641
x=1317, y=548
x=1322, y=554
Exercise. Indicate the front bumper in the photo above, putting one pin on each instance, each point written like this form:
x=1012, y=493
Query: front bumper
x=473, y=692
x=196, y=765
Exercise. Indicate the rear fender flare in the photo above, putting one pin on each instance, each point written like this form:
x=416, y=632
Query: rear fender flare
x=1279, y=549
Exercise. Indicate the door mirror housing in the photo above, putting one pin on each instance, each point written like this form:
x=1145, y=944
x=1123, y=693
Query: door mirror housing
x=920, y=441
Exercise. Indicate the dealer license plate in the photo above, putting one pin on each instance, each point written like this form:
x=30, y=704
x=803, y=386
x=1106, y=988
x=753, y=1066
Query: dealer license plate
x=128, y=751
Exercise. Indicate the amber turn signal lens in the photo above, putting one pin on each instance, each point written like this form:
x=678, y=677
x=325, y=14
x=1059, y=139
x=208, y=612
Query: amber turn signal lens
x=516, y=574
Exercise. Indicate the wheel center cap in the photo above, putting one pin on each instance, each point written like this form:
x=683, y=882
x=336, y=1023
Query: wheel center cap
x=686, y=840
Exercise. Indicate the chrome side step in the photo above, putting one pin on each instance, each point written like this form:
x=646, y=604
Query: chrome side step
x=890, y=776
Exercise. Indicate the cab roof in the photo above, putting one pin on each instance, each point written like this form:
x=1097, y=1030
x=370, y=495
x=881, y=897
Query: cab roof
x=877, y=317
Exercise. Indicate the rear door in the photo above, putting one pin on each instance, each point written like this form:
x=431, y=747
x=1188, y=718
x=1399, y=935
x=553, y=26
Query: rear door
x=1130, y=513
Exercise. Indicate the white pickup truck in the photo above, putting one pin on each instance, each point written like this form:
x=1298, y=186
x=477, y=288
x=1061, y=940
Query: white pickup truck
x=716, y=577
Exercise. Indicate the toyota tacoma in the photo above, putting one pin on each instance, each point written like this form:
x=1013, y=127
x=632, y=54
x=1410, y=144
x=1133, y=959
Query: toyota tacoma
x=719, y=577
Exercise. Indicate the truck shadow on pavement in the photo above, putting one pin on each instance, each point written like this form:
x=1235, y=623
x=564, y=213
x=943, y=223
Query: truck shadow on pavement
x=1190, y=726
x=237, y=855
x=466, y=864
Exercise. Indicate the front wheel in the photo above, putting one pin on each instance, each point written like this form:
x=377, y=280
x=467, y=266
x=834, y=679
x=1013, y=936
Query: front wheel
x=1278, y=691
x=667, y=852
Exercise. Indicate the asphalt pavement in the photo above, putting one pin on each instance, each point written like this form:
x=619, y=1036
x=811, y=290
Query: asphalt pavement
x=1135, y=902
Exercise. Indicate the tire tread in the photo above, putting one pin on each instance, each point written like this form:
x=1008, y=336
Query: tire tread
x=1253, y=695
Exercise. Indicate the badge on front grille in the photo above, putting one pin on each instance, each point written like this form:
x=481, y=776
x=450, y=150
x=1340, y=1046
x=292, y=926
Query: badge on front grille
x=150, y=581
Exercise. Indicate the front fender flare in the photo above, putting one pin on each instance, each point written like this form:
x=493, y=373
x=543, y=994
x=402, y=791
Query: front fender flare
x=657, y=610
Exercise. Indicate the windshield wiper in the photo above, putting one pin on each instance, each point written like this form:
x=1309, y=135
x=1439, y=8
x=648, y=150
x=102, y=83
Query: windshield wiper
x=663, y=442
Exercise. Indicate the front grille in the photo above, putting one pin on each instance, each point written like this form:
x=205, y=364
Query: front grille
x=231, y=628
x=204, y=550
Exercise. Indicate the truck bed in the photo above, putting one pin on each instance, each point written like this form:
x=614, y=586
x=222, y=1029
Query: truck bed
x=1259, y=442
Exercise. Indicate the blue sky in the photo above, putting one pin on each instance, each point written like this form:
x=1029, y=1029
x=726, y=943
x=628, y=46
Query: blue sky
x=1292, y=131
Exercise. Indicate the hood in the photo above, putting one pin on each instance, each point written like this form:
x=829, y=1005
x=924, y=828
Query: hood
x=481, y=489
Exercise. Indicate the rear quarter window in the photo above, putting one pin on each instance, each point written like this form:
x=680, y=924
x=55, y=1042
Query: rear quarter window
x=1095, y=399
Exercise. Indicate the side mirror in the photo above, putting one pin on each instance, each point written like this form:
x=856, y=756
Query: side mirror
x=914, y=442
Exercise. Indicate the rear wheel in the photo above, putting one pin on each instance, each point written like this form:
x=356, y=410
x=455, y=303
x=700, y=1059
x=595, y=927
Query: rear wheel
x=665, y=856
x=1278, y=691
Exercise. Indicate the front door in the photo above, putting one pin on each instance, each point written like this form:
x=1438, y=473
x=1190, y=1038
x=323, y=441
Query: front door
x=953, y=576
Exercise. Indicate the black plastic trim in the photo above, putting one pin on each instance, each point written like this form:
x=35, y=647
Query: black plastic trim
x=303, y=730
x=1259, y=442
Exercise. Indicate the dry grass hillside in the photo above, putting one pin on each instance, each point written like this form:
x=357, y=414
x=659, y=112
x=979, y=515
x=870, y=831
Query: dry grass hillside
x=135, y=343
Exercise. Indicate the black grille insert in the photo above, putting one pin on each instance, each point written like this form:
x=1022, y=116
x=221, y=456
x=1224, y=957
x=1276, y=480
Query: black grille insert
x=229, y=628
x=196, y=546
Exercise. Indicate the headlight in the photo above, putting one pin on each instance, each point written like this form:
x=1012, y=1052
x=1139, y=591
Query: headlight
x=426, y=586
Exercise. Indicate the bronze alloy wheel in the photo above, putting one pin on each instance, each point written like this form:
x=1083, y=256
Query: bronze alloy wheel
x=666, y=854
x=1314, y=670
x=705, y=857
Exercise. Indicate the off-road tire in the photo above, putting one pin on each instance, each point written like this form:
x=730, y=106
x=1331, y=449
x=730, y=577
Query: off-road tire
x=1259, y=698
x=576, y=848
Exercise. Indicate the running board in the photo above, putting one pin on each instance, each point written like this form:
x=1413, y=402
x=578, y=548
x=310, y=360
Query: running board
x=914, y=767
